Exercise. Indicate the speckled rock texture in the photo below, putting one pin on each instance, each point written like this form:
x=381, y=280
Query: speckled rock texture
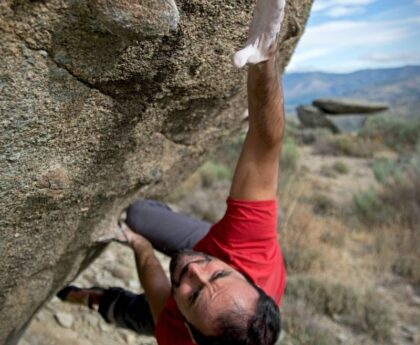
x=91, y=120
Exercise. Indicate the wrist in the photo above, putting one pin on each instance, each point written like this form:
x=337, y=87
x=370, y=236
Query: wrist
x=139, y=245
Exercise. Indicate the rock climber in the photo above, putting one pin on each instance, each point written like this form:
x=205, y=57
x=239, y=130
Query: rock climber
x=227, y=279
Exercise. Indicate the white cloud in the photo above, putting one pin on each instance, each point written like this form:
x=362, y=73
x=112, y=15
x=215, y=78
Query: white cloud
x=321, y=5
x=338, y=45
x=408, y=57
x=341, y=8
x=343, y=11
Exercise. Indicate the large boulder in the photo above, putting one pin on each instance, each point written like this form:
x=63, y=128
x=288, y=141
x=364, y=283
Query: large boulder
x=348, y=106
x=90, y=121
x=137, y=19
x=311, y=117
x=352, y=123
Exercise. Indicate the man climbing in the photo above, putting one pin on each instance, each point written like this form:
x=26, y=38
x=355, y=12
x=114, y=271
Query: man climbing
x=226, y=280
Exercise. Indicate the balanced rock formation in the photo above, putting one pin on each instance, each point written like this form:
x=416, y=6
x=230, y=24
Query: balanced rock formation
x=312, y=117
x=340, y=106
x=338, y=115
x=90, y=121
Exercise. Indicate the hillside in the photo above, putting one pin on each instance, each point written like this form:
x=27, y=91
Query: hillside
x=398, y=86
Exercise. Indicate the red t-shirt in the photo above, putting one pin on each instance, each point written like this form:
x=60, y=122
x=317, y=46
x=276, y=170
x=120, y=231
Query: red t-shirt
x=246, y=239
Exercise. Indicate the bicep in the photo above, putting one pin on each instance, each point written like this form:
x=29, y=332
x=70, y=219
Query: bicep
x=256, y=173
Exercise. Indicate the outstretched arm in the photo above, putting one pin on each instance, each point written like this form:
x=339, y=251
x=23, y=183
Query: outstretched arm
x=256, y=174
x=151, y=274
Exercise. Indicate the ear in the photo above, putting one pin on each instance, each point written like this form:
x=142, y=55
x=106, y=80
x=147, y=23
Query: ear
x=189, y=331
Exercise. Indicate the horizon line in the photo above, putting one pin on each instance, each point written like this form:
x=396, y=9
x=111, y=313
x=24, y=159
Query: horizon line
x=350, y=72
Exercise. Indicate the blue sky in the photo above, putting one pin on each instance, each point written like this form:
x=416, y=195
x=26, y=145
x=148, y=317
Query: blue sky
x=349, y=35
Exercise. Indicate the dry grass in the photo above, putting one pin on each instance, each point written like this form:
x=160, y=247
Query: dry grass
x=344, y=304
x=303, y=326
x=394, y=212
x=345, y=145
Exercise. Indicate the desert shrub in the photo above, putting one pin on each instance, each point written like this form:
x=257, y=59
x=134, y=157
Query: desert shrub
x=408, y=267
x=303, y=329
x=386, y=170
x=324, y=297
x=346, y=145
x=333, y=239
x=377, y=318
x=341, y=167
x=299, y=260
x=228, y=154
x=289, y=156
x=404, y=200
x=400, y=197
x=365, y=312
x=328, y=171
x=370, y=208
x=397, y=133
x=309, y=136
x=322, y=204
x=211, y=172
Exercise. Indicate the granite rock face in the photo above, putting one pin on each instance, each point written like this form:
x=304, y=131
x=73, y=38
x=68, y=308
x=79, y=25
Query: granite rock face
x=91, y=121
x=137, y=19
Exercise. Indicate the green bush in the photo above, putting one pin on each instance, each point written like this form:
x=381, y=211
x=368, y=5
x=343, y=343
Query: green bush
x=366, y=312
x=323, y=297
x=289, y=156
x=336, y=240
x=328, y=171
x=210, y=172
x=299, y=260
x=377, y=318
x=370, y=208
x=341, y=167
x=398, y=133
x=322, y=204
x=302, y=328
x=386, y=170
x=346, y=145
x=407, y=267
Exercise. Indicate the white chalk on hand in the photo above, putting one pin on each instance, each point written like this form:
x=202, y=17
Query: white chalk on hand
x=265, y=26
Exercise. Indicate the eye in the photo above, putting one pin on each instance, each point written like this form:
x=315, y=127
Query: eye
x=219, y=274
x=193, y=297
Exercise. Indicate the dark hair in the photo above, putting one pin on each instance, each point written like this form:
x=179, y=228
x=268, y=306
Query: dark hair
x=236, y=328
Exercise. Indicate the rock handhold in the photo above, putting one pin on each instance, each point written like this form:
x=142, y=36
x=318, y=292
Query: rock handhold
x=312, y=117
x=339, y=106
x=135, y=19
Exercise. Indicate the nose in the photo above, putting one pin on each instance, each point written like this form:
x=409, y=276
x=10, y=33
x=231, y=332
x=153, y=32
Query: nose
x=199, y=272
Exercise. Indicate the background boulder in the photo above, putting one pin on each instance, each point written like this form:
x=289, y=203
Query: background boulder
x=91, y=121
x=348, y=106
x=311, y=117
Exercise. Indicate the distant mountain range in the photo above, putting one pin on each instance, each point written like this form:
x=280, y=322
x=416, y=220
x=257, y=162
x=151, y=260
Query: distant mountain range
x=400, y=87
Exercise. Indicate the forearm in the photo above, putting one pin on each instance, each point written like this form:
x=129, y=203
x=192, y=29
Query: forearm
x=265, y=103
x=256, y=174
x=152, y=278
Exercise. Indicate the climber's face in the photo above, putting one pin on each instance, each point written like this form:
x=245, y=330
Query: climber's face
x=205, y=288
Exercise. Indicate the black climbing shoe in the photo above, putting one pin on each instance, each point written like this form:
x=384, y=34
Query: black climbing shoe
x=87, y=297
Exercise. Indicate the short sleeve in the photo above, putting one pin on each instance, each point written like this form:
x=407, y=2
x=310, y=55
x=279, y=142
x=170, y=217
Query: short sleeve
x=246, y=238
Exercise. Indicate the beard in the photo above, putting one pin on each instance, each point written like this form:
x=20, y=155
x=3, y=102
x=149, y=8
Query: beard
x=180, y=261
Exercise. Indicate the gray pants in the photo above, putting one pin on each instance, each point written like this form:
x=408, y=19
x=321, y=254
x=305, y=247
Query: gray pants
x=169, y=232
